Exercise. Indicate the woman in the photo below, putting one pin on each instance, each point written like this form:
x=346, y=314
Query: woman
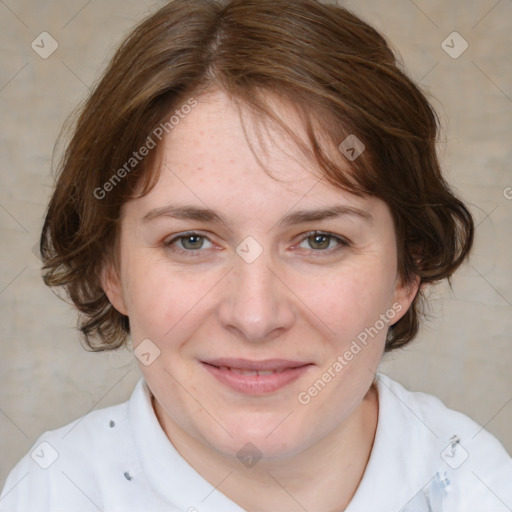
x=252, y=194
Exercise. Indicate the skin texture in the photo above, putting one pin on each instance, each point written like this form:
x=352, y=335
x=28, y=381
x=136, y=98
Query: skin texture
x=302, y=299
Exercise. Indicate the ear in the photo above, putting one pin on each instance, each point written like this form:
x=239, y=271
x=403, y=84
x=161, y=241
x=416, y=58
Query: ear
x=403, y=295
x=112, y=286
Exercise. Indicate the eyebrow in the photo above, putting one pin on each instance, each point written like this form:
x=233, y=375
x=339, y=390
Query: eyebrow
x=300, y=216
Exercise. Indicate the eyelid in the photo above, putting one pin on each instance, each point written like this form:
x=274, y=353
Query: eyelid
x=170, y=243
x=342, y=242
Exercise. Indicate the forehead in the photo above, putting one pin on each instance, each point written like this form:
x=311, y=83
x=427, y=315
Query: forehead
x=220, y=132
x=220, y=156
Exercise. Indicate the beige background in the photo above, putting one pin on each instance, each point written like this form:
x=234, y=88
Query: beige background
x=464, y=353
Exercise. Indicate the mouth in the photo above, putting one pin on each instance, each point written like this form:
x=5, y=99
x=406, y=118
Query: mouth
x=256, y=377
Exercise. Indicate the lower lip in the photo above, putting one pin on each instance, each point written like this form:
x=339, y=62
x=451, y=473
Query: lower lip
x=257, y=384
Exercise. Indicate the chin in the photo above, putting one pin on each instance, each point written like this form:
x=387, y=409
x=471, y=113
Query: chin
x=265, y=443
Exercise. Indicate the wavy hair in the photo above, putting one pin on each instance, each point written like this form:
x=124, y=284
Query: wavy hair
x=335, y=69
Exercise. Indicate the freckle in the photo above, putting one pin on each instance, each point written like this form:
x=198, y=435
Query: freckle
x=112, y=424
x=128, y=476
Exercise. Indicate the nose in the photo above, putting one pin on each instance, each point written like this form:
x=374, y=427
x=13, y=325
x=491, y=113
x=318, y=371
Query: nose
x=258, y=305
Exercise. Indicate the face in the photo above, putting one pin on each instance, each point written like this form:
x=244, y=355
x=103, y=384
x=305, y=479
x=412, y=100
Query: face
x=267, y=299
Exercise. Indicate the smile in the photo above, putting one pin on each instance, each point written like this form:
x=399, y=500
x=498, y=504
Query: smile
x=256, y=377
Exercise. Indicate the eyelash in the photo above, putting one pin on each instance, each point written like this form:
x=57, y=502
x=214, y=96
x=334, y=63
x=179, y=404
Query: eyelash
x=342, y=243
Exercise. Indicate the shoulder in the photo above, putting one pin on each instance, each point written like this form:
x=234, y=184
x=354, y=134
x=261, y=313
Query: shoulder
x=469, y=465
x=68, y=467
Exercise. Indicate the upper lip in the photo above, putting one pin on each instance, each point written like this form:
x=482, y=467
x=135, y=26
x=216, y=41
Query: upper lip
x=249, y=364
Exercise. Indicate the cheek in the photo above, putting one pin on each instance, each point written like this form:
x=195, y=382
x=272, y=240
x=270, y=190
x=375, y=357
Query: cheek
x=351, y=299
x=162, y=301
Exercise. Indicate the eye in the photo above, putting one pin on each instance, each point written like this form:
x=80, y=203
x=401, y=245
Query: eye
x=319, y=241
x=194, y=243
x=188, y=242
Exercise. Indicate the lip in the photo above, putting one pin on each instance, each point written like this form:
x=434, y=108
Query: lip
x=238, y=374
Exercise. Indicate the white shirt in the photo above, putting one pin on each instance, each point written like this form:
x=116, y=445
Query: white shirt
x=425, y=458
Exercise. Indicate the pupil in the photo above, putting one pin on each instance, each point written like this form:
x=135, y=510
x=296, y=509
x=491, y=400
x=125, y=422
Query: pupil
x=193, y=241
x=320, y=240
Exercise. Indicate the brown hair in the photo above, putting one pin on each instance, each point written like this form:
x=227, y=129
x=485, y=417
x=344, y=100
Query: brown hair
x=334, y=68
